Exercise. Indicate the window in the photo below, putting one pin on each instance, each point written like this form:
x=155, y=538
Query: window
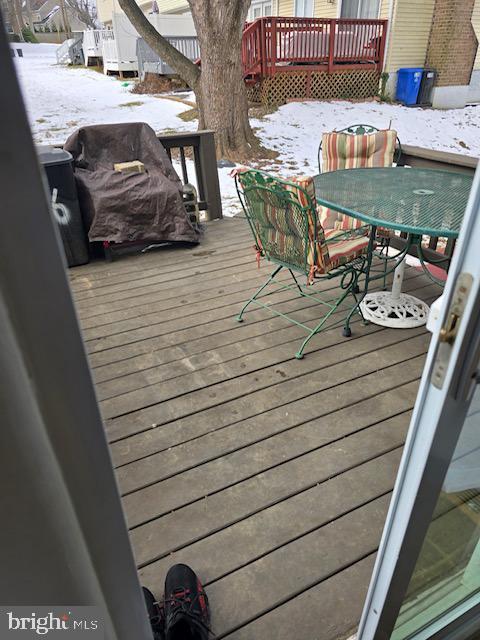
x=259, y=9
x=360, y=9
x=304, y=8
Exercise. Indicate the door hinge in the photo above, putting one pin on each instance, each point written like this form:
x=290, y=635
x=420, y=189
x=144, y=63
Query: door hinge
x=449, y=329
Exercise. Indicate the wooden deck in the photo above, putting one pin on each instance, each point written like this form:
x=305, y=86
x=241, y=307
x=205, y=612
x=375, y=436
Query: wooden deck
x=270, y=476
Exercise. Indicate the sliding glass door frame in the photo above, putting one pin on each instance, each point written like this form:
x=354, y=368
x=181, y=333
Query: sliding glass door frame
x=442, y=403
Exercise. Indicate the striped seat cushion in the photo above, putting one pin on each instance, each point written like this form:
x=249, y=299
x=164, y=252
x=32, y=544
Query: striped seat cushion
x=345, y=250
x=345, y=151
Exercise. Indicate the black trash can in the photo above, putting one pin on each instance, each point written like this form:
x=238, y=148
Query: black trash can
x=59, y=169
x=429, y=79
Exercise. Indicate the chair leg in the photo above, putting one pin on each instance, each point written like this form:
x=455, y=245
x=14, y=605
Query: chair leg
x=355, y=289
x=257, y=293
x=296, y=282
x=318, y=328
x=347, y=332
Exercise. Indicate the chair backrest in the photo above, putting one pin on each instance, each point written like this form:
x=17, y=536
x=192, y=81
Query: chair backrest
x=359, y=130
x=283, y=221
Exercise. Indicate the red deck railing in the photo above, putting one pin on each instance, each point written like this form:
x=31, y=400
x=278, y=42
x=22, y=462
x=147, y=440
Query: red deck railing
x=278, y=45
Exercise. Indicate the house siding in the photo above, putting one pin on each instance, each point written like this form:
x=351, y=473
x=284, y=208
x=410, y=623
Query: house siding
x=321, y=8
x=409, y=33
x=173, y=6
x=105, y=11
x=106, y=8
x=286, y=7
x=384, y=9
x=324, y=9
x=452, y=48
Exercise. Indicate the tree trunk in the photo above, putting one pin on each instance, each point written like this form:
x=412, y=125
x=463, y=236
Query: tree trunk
x=66, y=22
x=219, y=86
x=28, y=8
x=220, y=91
x=17, y=13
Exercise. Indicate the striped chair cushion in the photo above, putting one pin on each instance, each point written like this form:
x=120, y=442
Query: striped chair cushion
x=319, y=260
x=285, y=239
x=343, y=251
x=345, y=151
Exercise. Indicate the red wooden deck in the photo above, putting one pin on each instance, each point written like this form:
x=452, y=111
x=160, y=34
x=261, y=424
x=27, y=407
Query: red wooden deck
x=275, y=45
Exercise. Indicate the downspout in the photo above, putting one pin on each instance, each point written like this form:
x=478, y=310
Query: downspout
x=391, y=10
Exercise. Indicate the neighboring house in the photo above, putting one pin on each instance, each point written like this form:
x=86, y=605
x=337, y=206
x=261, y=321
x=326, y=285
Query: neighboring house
x=49, y=24
x=106, y=8
x=442, y=34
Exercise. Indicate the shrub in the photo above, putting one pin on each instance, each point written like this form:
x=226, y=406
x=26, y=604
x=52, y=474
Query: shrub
x=28, y=35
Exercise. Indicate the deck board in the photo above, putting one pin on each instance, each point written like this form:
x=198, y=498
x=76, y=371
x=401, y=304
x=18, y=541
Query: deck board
x=269, y=475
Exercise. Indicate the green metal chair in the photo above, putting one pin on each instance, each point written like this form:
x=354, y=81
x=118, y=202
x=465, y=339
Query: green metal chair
x=282, y=217
x=357, y=130
x=383, y=236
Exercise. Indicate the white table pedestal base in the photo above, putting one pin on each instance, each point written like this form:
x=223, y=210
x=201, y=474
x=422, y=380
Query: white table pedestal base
x=393, y=308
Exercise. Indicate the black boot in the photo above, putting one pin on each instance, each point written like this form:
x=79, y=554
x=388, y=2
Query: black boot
x=187, y=615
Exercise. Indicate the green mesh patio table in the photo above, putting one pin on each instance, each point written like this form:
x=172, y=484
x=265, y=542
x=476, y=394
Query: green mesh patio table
x=416, y=201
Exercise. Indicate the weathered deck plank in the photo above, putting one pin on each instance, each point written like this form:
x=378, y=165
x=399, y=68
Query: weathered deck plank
x=261, y=344
x=270, y=476
x=217, y=556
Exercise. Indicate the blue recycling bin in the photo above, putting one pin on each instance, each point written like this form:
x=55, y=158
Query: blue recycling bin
x=408, y=85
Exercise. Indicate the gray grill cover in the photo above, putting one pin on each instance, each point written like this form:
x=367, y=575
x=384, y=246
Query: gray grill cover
x=129, y=207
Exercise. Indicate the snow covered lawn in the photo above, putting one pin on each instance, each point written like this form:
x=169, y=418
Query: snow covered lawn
x=60, y=99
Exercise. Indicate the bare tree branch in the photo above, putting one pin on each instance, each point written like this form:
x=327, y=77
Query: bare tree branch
x=85, y=11
x=185, y=68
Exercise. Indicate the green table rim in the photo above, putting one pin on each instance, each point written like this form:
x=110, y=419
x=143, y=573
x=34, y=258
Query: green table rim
x=385, y=223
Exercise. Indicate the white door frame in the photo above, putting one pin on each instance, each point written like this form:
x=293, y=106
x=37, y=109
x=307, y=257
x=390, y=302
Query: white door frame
x=64, y=535
x=434, y=429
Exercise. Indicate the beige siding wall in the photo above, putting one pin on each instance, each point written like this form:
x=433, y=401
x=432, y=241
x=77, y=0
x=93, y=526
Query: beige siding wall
x=476, y=26
x=286, y=7
x=384, y=9
x=409, y=33
x=322, y=8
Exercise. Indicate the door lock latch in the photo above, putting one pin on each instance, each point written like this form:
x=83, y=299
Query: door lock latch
x=449, y=330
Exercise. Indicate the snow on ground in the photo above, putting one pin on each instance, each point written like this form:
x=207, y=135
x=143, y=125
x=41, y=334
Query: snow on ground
x=60, y=99
x=295, y=129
